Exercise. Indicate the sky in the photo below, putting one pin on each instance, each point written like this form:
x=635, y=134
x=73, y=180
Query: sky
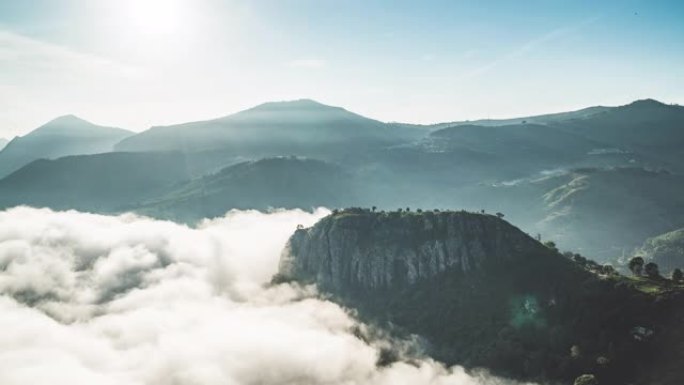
x=139, y=63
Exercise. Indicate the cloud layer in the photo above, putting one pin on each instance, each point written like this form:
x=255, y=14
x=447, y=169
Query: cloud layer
x=92, y=299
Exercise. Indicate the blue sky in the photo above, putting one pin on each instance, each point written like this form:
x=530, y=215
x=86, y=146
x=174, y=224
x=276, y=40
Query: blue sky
x=136, y=63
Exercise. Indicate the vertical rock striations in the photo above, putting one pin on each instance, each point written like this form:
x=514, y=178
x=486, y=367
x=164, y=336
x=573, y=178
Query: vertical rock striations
x=484, y=294
x=358, y=250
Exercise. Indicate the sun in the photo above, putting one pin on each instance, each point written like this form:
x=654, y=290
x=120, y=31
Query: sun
x=155, y=17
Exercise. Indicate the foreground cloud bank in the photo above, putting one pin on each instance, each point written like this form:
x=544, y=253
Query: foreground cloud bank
x=92, y=299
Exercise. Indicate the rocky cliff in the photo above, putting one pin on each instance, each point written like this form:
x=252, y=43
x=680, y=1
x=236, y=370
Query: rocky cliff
x=360, y=249
x=482, y=293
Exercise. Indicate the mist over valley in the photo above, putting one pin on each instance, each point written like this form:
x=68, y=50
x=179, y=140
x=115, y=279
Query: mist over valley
x=316, y=192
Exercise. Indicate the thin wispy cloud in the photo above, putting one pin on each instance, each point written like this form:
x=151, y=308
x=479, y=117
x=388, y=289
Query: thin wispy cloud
x=40, y=80
x=22, y=53
x=527, y=47
x=310, y=63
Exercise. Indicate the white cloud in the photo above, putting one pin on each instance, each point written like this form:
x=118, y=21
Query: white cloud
x=528, y=47
x=92, y=299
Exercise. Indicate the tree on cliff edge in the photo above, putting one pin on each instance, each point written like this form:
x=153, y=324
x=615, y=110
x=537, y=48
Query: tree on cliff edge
x=636, y=266
x=651, y=270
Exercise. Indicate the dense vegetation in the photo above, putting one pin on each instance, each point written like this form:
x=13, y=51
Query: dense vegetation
x=551, y=317
x=283, y=182
x=101, y=183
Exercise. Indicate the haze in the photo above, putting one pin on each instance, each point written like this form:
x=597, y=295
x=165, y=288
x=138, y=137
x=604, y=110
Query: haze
x=352, y=192
x=134, y=64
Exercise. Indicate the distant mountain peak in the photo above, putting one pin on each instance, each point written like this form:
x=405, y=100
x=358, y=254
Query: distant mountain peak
x=646, y=103
x=62, y=136
x=66, y=119
x=72, y=124
x=304, y=102
x=64, y=123
x=296, y=104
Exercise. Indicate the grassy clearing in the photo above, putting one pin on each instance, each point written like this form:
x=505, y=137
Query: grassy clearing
x=650, y=285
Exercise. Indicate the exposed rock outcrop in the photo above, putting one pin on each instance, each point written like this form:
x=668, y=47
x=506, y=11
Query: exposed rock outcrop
x=360, y=249
x=482, y=293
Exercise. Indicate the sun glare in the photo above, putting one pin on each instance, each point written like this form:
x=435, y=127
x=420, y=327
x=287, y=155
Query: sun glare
x=156, y=17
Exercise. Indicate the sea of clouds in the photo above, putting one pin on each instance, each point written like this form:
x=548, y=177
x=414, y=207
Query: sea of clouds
x=94, y=299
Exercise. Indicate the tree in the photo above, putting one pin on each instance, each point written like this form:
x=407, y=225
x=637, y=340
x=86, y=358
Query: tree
x=551, y=245
x=651, y=270
x=677, y=275
x=579, y=259
x=408, y=209
x=608, y=269
x=373, y=208
x=636, y=266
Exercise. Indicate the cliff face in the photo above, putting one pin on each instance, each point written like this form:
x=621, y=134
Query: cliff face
x=358, y=249
x=485, y=294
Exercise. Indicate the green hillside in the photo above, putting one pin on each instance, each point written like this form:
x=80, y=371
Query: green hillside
x=516, y=307
x=100, y=183
x=283, y=182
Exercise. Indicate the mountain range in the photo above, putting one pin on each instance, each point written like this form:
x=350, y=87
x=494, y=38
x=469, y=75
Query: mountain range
x=297, y=124
x=600, y=180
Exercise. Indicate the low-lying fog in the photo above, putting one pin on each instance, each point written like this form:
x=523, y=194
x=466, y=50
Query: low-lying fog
x=93, y=299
